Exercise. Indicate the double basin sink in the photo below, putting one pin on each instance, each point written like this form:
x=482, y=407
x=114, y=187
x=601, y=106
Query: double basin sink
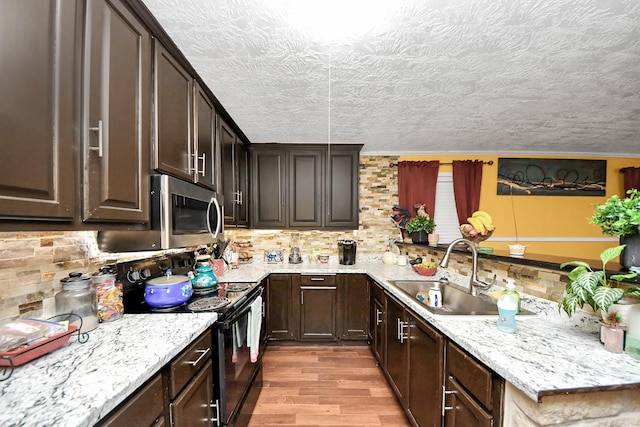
x=454, y=300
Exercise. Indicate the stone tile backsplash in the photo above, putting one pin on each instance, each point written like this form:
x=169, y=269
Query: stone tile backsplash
x=32, y=263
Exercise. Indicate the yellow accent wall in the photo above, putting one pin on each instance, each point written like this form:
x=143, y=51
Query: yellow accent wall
x=565, y=217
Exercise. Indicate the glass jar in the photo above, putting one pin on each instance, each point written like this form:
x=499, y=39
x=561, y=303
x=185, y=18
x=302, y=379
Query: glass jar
x=109, y=295
x=78, y=297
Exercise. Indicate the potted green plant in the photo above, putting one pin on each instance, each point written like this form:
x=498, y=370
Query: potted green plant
x=594, y=288
x=419, y=227
x=621, y=218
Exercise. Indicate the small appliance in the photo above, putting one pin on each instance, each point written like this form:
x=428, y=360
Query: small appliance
x=181, y=214
x=294, y=255
x=347, y=252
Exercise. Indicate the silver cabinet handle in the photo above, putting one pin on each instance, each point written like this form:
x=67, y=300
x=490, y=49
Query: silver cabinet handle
x=216, y=405
x=402, y=335
x=99, y=130
x=203, y=353
x=378, y=317
x=204, y=164
x=445, y=393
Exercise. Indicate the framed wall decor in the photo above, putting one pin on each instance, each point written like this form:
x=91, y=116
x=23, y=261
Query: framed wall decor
x=552, y=177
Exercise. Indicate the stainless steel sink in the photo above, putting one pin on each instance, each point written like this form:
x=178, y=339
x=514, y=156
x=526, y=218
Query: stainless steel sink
x=454, y=300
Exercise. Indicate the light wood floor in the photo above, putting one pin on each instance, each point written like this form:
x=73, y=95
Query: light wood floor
x=325, y=386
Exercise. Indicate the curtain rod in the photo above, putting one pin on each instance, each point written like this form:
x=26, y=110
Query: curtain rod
x=490, y=162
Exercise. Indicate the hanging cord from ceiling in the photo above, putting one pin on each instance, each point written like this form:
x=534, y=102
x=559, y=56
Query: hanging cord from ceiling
x=490, y=162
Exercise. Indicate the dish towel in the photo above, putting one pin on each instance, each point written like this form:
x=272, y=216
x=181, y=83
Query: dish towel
x=253, y=333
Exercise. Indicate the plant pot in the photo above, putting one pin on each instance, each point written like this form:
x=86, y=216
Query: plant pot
x=613, y=339
x=420, y=237
x=630, y=256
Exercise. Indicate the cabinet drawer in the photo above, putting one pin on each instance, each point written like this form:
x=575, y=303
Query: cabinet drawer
x=142, y=409
x=189, y=362
x=474, y=377
x=318, y=279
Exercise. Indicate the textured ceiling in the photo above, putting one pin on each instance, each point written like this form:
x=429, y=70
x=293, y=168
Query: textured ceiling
x=432, y=76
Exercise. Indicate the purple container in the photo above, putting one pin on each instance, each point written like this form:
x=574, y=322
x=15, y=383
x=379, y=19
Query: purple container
x=168, y=291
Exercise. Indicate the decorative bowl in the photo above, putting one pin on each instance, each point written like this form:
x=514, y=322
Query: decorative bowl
x=424, y=271
x=323, y=258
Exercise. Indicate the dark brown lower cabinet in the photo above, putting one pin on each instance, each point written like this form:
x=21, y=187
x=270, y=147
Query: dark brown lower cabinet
x=396, y=348
x=426, y=365
x=281, y=316
x=318, y=307
x=143, y=409
x=462, y=410
x=353, y=302
x=193, y=406
x=474, y=395
x=377, y=323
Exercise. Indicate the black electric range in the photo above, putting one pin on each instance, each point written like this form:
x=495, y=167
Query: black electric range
x=224, y=300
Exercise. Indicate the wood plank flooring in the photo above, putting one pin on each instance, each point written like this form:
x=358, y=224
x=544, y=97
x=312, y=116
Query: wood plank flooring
x=325, y=386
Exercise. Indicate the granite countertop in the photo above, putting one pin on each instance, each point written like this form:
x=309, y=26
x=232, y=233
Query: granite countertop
x=79, y=384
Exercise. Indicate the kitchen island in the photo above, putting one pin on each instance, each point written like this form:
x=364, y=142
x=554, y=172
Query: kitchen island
x=550, y=357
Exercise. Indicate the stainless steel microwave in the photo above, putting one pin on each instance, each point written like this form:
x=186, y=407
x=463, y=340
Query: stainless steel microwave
x=181, y=214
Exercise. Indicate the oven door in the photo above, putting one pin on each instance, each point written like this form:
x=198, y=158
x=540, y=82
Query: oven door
x=235, y=371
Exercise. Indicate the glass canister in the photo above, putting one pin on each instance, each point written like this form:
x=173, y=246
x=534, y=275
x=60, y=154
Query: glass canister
x=78, y=296
x=109, y=294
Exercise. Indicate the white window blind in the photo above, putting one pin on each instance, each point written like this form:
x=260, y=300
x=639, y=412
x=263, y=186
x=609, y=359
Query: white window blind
x=445, y=216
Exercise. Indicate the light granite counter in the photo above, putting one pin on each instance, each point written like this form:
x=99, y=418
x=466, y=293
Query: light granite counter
x=80, y=383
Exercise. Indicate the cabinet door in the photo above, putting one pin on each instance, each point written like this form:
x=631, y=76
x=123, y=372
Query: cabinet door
x=173, y=101
x=228, y=177
x=396, y=348
x=281, y=321
x=306, y=172
x=268, y=175
x=242, y=166
x=116, y=114
x=426, y=363
x=354, y=306
x=461, y=409
x=193, y=406
x=205, y=155
x=143, y=409
x=377, y=323
x=342, y=194
x=318, y=307
x=39, y=50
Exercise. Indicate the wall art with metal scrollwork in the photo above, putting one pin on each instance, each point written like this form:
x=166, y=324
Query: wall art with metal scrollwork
x=552, y=177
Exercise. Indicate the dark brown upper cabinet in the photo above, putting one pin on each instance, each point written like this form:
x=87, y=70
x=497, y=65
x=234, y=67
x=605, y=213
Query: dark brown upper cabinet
x=305, y=186
x=115, y=121
x=173, y=118
x=234, y=176
x=40, y=50
x=205, y=157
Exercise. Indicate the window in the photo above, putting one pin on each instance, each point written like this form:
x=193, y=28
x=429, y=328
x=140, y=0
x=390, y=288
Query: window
x=445, y=215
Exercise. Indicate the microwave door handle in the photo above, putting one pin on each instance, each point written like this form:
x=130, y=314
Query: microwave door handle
x=218, y=219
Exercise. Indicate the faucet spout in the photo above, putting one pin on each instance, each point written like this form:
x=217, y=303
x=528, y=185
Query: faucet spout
x=474, y=282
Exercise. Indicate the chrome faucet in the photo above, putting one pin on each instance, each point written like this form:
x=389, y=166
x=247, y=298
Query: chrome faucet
x=474, y=283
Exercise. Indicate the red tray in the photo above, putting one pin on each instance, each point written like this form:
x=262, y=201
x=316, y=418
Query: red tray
x=26, y=354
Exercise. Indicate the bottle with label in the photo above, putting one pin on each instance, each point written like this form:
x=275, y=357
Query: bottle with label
x=435, y=296
x=510, y=288
x=507, y=306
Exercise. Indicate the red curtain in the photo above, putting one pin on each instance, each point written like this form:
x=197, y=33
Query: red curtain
x=631, y=179
x=417, y=185
x=467, y=178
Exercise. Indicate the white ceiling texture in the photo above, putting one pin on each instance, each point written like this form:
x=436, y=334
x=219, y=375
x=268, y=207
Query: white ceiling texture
x=421, y=76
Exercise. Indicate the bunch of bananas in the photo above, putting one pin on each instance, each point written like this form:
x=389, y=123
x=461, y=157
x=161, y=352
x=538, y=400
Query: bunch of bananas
x=480, y=223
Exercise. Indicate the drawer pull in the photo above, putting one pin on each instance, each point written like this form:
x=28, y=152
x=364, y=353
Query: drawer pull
x=203, y=353
x=446, y=392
